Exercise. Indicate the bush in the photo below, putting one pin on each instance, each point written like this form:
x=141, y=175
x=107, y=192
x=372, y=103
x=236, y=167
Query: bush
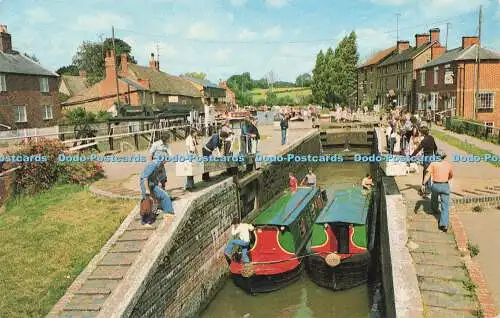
x=44, y=169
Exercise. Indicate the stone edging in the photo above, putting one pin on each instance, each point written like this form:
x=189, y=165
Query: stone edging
x=90, y=267
x=482, y=292
x=109, y=195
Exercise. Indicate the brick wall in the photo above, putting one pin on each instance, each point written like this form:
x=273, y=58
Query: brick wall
x=194, y=268
x=24, y=90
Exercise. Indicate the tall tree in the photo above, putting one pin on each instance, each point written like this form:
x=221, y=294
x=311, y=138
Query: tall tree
x=90, y=57
x=68, y=70
x=303, y=80
x=347, y=52
x=318, y=85
x=199, y=75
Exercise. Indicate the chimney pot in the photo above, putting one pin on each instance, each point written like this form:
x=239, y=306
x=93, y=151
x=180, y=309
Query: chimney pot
x=421, y=39
x=403, y=46
x=468, y=41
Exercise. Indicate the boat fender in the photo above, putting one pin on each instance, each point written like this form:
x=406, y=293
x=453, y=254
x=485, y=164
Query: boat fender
x=332, y=259
x=247, y=270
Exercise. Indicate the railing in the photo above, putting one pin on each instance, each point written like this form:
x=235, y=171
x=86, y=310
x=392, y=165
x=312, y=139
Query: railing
x=473, y=129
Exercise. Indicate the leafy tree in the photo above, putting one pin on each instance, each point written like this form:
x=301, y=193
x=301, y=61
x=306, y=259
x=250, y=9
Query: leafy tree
x=348, y=54
x=304, y=80
x=68, y=70
x=90, y=57
x=32, y=57
x=199, y=75
x=318, y=83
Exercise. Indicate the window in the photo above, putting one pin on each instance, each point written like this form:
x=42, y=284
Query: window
x=405, y=82
x=3, y=84
x=434, y=101
x=44, y=84
x=436, y=75
x=173, y=99
x=20, y=114
x=398, y=81
x=486, y=102
x=422, y=78
x=153, y=95
x=490, y=124
x=47, y=112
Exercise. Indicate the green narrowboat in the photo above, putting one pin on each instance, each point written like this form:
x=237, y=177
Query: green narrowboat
x=281, y=233
x=338, y=250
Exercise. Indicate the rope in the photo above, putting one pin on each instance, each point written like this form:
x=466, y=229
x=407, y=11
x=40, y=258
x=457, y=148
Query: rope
x=286, y=260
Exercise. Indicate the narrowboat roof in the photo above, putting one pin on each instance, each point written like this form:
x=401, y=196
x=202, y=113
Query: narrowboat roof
x=348, y=206
x=286, y=209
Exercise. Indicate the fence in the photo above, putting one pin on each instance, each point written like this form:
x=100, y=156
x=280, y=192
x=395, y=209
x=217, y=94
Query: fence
x=473, y=129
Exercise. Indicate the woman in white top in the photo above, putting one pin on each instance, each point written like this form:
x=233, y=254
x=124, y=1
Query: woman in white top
x=192, y=150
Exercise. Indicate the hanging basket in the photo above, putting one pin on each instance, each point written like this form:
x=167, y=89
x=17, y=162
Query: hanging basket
x=332, y=260
x=247, y=270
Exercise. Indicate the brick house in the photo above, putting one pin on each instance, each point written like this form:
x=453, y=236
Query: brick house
x=367, y=76
x=212, y=94
x=446, y=84
x=137, y=85
x=230, y=99
x=398, y=73
x=28, y=91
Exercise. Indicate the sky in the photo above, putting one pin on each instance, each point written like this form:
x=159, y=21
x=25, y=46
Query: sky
x=226, y=37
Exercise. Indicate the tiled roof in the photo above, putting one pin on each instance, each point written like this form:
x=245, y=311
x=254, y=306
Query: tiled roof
x=406, y=55
x=87, y=94
x=20, y=64
x=162, y=82
x=378, y=56
x=460, y=54
x=75, y=84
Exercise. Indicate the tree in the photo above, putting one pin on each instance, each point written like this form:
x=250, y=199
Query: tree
x=304, y=80
x=318, y=83
x=32, y=57
x=347, y=52
x=90, y=57
x=68, y=70
x=199, y=75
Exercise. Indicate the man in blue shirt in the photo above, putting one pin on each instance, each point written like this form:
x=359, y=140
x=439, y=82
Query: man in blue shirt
x=215, y=142
x=150, y=179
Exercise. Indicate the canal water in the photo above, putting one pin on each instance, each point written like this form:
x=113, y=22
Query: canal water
x=304, y=299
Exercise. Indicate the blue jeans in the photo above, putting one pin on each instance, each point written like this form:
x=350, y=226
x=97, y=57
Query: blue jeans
x=441, y=190
x=283, y=136
x=244, y=249
x=427, y=185
x=161, y=195
x=189, y=182
x=392, y=142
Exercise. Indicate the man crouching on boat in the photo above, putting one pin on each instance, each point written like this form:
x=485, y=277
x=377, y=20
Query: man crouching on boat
x=241, y=237
x=309, y=180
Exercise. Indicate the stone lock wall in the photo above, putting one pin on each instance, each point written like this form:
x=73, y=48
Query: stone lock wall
x=194, y=268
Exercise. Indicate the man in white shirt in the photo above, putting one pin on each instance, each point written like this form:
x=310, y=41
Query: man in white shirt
x=160, y=148
x=241, y=232
x=309, y=180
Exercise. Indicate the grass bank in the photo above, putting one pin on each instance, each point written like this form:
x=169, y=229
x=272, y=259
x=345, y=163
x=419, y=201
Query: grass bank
x=46, y=241
x=467, y=147
x=294, y=92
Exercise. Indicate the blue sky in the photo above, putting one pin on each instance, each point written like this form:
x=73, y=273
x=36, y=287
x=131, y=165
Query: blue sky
x=224, y=37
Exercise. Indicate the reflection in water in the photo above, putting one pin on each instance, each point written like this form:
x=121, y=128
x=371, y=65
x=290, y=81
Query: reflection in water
x=302, y=299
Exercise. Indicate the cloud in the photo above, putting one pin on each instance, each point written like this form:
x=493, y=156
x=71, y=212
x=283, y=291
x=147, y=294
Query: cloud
x=166, y=50
x=238, y=3
x=246, y=34
x=100, y=21
x=38, y=14
x=200, y=30
x=391, y=2
x=277, y=3
x=371, y=40
x=438, y=8
x=273, y=32
x=222, y=55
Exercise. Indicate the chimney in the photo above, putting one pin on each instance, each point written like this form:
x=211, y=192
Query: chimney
x=434, y=34
x=403, y=46
x=5, y=40
x=83, y=74
x=437, y=52
x=124, y=63
x=153, y=63
x=421, y=39
x=110, y=65
x=468, y=41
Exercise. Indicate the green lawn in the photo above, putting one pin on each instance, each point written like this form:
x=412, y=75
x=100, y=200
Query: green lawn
x=46, y=241
x=294, y=92
x=467, y=147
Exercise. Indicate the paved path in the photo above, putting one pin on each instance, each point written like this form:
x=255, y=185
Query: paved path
x=122, y=180
x=495, y=149
x=443, y=278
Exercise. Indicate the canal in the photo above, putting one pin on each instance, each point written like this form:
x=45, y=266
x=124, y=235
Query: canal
x=304, y=298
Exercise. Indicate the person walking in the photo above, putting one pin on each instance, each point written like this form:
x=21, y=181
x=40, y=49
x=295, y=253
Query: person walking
x=440, y=172
x=429, y=148
x=284, y=128
x=149, y=180
x=161, y=148
x=192, y=150
x=241, y=237
x=215, y=142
